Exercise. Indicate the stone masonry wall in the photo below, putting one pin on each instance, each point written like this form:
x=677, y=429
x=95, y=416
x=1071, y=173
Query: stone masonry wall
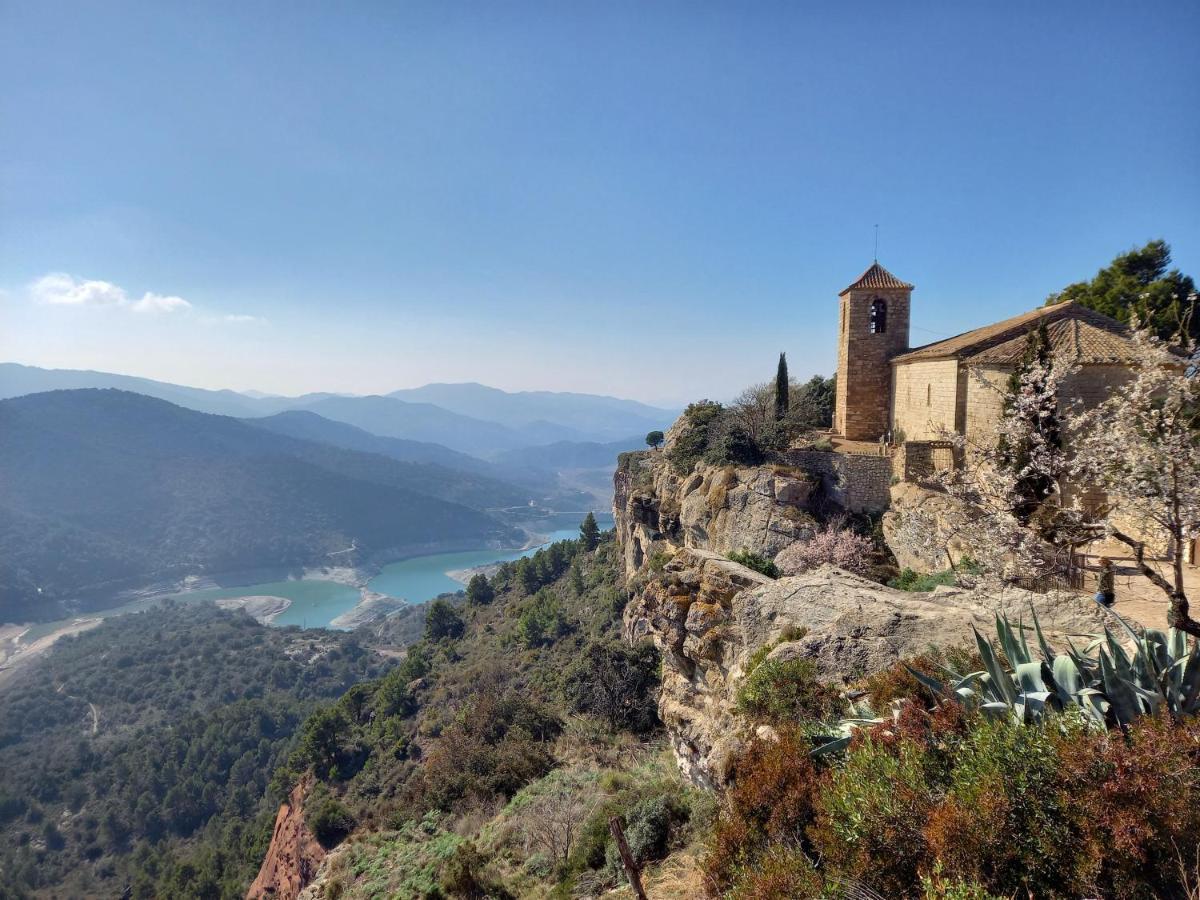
x=864, y=377
x=924, y=398
x=1088, y=387
x=860, y=483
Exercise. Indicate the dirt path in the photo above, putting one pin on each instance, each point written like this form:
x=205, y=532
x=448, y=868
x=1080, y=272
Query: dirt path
x=92, y=707
x=1137, y=598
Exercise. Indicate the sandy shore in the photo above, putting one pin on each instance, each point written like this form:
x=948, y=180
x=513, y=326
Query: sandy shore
x=15, y=653
x=261, y=607
x=371, y=608
x=463, y=576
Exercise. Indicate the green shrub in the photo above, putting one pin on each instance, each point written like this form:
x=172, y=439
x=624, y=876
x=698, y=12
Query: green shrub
x=873, y=814
x=327, y=817
x=936, y=887
x=908, y=580
x=648, y=825
x=783, y=691
x=1003, y=822
x=617, y=683
x=733, y=444
x=543, y=621
x=754, y=561
x=689, y=447
x=443, y=622
x=657, y=561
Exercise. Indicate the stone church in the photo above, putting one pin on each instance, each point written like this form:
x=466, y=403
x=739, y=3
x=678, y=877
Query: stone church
x=914, y=395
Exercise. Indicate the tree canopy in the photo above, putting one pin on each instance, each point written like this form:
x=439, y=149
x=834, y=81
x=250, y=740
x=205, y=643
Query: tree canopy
x=1140, y=283
x=589, y=532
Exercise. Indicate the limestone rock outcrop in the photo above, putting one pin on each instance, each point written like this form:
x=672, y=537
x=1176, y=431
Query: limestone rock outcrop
x=908, y=498
x=720, y=508
x=708, y=615
x=295, y=854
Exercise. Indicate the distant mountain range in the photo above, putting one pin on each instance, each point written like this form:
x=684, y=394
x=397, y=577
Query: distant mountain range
x=555, y=416
x=467, y=418
x=111, y=481
x=105, y=489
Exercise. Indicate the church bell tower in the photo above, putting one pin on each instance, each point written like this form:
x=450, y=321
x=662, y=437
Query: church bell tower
x=872, y=329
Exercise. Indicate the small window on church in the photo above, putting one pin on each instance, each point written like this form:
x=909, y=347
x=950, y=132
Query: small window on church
x=929, y=395
x=878, y=316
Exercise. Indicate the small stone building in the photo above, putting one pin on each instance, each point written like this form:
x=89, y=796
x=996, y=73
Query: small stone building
x=922, y=394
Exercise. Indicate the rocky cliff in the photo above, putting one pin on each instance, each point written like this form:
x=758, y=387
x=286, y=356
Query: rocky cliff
x=294, y=856
x=720, y=508
x=709, y=615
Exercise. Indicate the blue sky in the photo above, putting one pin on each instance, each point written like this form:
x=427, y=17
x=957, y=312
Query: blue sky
x=649, y=200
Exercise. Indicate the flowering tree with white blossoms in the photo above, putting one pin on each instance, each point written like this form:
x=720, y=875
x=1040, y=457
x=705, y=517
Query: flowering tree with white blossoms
x=1006, y=510
x=1141, y=446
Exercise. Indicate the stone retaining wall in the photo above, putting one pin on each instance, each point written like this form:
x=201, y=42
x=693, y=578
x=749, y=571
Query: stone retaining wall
x=859, y=482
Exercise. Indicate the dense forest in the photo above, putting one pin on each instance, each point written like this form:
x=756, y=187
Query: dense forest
x=121, y=489
x=141, y=752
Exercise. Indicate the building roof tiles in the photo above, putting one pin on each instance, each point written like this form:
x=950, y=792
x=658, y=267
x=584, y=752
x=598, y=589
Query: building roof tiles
x=877, y=277
x=1087, y=335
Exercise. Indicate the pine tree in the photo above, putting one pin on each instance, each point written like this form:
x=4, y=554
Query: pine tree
x=781, y=389
x=589, y=532
x=479, y=590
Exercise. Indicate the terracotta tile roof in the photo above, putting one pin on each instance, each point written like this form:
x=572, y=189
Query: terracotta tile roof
x=876, y=277
x=1072, y=339
x=973, y=344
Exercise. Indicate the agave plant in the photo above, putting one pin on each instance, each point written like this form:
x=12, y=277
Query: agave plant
x=1108, y=684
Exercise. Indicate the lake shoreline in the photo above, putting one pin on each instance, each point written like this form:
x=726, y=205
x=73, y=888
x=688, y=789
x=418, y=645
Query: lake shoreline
x=371, y=604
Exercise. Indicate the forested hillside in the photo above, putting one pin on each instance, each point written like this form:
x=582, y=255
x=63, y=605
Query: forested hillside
x=519, y=694
x=141, y=752
x=490, y=761
x=119, y=489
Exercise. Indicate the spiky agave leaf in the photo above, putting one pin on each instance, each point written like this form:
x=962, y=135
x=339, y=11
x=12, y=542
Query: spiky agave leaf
x=1048, y=654
x=998, y=680
x=1123, y=699
x=1068, y=680
x=1014, y=648
x=1189, y=682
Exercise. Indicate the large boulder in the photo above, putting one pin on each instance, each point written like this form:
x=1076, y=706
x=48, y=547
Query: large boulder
x=928, y=506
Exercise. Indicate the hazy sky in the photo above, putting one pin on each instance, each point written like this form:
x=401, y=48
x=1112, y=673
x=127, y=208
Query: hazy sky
x=650, y=200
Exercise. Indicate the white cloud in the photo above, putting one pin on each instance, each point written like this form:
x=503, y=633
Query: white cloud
x=60, y=289
x=158, y=303
x=239, y=319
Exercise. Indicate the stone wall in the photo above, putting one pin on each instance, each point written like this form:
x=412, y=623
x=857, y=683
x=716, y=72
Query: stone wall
x=864, y=375
x=918, y=461
x=986, y=387
x=924, y=398
x=858, y=482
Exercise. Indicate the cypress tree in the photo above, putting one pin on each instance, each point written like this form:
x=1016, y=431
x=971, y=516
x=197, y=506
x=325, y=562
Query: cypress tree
x=781, y=389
